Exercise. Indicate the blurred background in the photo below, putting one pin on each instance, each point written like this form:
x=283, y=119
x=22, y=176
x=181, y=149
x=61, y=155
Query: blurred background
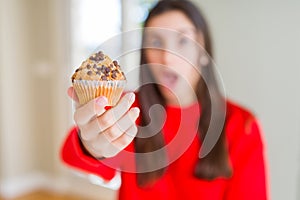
x=257, y=51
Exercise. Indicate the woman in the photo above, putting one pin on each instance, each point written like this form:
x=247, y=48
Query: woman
x=166, y=163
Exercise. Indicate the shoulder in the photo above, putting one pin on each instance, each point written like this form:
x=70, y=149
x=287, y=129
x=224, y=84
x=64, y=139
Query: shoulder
x=244, y=136
x=234, y=110
x=240, y=122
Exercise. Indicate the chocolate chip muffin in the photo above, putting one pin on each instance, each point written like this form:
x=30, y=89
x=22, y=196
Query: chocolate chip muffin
x=97, y=76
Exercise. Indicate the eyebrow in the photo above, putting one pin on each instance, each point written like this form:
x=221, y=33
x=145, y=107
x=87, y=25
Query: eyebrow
x=187, y=30
x=183, y=30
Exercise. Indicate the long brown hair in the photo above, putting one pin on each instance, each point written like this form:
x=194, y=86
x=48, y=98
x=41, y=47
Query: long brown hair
x=216, y=162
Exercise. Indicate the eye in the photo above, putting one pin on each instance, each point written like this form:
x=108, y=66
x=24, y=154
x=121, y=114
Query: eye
x=183, y=41
x=156, y=42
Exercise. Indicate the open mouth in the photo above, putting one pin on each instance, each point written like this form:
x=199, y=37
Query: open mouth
x=169, y=78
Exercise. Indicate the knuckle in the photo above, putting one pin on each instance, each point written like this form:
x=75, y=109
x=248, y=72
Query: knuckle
x=124, y=141
x=105, y=120
x=112, y=133
x=121, y=125
x=91, y=108
x=97, y=125
x=135, y=129
x=132, y=131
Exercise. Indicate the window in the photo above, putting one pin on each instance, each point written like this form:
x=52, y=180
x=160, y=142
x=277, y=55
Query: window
x=93, y=22
x=97, y=21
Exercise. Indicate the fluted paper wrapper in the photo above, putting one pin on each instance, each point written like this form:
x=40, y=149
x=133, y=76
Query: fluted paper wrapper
x=87, y=90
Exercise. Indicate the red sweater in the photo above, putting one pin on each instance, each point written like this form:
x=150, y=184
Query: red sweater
x=246, y=155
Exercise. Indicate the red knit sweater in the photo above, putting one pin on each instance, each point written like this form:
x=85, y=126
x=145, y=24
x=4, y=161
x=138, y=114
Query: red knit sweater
x=246, y=155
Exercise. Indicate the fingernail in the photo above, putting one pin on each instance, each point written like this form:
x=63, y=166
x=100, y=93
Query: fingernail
x=102, y=101
x=136, y=111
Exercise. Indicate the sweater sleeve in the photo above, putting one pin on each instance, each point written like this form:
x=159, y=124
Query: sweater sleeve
x=249, y=173
x=74, y=155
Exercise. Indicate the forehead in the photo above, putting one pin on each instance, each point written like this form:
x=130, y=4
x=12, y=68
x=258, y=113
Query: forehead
x=177, y=21
x=174, y=19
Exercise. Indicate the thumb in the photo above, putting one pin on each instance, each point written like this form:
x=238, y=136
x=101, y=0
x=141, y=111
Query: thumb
x=72, y=94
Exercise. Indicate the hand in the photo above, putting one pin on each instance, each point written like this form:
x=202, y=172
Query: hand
x=104, y=133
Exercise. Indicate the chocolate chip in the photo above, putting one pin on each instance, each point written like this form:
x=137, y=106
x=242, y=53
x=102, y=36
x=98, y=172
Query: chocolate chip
x=77, y=70
x=88, y=66
x=89, y=73
x=114, y=76
x=103, y=78
x=103, y=69
x=115, y=63
x=99, y=56
x=93, y=57
x=95, y=66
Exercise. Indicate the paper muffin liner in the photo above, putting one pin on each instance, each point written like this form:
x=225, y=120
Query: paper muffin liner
x=87, y=90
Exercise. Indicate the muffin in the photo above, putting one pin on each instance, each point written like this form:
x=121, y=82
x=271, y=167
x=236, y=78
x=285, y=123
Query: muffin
x=97, y=76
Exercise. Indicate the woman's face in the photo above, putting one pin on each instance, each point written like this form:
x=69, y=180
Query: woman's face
x=172, y=48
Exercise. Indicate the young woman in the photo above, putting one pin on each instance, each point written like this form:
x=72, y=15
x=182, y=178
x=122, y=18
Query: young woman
x=161, y=152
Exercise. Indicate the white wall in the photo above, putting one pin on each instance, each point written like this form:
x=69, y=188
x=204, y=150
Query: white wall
x=257, y=48
x=35, y=111
x=15, y=91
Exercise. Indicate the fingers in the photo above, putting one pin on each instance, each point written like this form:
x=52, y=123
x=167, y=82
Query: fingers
x=94, y=128
x=111, y=116
x=107, y=132
x=112, y=141
x=87, y=112
x=119, y=128
x=121, y=143
x=126, y=138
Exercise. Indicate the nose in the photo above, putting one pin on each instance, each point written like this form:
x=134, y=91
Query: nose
x=169, y=57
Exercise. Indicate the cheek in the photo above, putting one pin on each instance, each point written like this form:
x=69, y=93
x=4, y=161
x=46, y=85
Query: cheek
x=153, y=59
x=152, y=56
x=192, y=75
x=154, y=70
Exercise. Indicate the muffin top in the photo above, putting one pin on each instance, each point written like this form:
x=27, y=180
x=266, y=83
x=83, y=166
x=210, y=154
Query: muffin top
x=99, y=67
